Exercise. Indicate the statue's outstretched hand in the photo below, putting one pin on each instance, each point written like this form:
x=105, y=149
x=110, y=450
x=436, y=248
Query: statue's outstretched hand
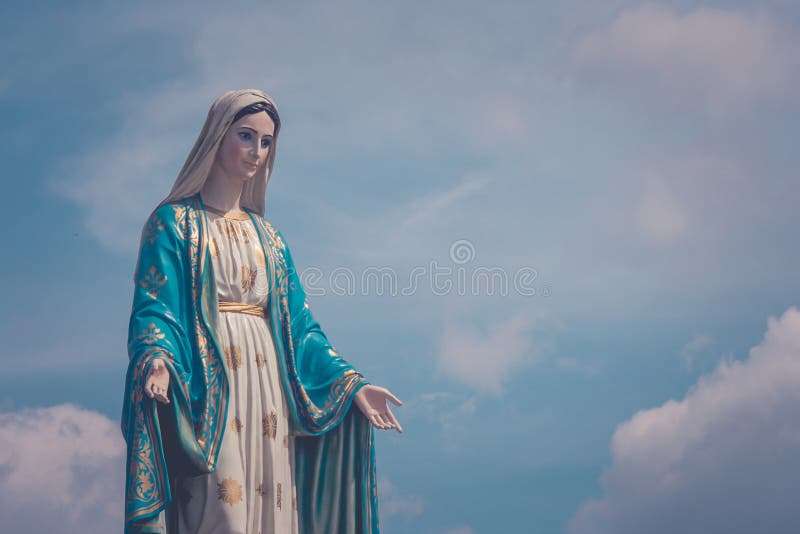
x=157, y=382
x=371, y=400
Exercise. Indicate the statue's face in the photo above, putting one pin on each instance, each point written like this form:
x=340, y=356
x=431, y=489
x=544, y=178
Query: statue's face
x=246, y=145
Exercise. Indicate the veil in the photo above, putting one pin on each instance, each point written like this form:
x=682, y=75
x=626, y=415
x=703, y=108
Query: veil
x=198, y=164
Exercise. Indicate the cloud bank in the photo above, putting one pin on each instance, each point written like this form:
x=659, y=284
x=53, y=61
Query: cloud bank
x=61, y=470
x=721, y=59
x=725, y=458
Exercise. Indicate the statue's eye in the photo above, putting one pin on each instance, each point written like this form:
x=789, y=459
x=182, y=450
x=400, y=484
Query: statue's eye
x=265, y=143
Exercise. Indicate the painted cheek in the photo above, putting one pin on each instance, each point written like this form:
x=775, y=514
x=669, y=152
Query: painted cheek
x=233, y=152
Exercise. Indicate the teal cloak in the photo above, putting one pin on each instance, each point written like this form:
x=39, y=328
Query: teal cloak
x=175, y=317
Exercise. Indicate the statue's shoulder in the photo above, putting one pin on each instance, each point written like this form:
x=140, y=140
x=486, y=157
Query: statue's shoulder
x=176, y=209
x=171, y=217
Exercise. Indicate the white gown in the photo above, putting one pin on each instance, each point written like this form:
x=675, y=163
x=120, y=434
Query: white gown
x=252, y=490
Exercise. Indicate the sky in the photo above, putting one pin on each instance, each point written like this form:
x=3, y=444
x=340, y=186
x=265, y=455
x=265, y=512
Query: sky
x=622, y=172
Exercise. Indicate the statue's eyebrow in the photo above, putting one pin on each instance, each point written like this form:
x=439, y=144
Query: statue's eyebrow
x=255, y=132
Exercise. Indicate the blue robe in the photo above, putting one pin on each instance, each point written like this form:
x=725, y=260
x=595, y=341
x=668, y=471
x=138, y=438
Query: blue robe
x=175, y=317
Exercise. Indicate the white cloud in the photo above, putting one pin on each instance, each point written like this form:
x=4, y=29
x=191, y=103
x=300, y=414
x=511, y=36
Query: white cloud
x=484, y=360
x=61, y=470
x=725, y=458
x=722, y=59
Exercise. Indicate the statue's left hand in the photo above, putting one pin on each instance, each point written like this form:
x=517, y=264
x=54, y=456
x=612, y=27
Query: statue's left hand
x=371, y=400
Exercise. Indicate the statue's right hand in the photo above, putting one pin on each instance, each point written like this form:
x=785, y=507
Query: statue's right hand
x=157, y=384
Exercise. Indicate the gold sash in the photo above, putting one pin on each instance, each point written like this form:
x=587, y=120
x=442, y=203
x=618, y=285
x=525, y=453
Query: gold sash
x=241, y=307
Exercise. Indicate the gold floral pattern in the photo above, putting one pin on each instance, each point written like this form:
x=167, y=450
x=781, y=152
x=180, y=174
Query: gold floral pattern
x=236, y=425
x=269, y=424
x=245, y=229
x=154, y=225
x=229, y=491
x=233, y=356
x=261, y=491
x=261, y=361
x=248, y=278
x=151, y=334
x=278, y=496
x=153, y=281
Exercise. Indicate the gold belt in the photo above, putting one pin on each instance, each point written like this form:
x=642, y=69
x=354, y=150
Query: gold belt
x=241, y=307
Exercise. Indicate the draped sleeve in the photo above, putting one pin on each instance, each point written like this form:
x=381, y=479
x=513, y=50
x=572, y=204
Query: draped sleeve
x=156, y=330
x=329, y=382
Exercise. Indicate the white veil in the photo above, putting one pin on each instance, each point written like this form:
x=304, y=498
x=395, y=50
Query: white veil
x=198, y=164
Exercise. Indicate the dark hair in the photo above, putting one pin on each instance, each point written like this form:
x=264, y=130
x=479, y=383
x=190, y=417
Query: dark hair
x=258, y=107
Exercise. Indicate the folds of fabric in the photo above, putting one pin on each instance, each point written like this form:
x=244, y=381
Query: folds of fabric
x=175, y=317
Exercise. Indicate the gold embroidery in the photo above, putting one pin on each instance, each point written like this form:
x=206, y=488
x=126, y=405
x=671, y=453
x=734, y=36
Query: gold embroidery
x=278, y=501
x=233, y=355
x=245, y=229
x=185, y=217
x=260, y=490
x=286, y=440
x=153, y=281
x=248, y=278
x=261, y=361
x=269, y=424
x=154, y=225
x=151, y=334
x=213, y=247
x=294, y=503
x=180, y=211
x=236, y=425
x=192, y=224
x=229, y=491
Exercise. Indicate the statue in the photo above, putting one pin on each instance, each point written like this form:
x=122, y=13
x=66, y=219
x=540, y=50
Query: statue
x=237, y=409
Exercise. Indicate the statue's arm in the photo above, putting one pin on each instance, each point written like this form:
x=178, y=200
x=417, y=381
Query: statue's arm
x=318, y=354
x=155, y=335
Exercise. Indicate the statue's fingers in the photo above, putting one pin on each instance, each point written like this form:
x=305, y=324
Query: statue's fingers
x=383, y=423
x=386, y=419
x=394, y=399
x=374, y=421
x=394, y=420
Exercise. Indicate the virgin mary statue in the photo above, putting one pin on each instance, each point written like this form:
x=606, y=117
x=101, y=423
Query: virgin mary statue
x=237, y=410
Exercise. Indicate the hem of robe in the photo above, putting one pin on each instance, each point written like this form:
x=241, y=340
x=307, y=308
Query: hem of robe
x=334, y=472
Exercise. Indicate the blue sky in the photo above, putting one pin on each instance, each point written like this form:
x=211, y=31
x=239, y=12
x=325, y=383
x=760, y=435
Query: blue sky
x=639, y=157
